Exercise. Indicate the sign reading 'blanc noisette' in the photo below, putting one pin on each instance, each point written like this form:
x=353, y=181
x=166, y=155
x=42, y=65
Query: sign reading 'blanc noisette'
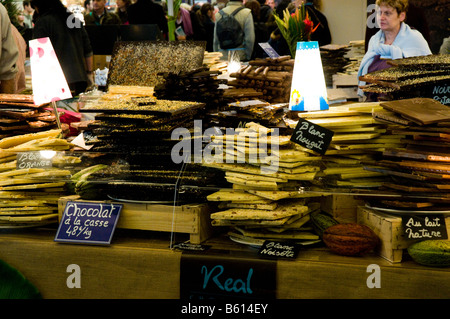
x=90, y=223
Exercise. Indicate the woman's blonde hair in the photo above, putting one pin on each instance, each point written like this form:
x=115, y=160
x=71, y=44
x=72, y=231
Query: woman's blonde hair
x=399, y=5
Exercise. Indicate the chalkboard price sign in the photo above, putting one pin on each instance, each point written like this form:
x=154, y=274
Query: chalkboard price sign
x=91, y=223
x=273, y=249
x=312, y=136
x=38, y=159
x=424, y=227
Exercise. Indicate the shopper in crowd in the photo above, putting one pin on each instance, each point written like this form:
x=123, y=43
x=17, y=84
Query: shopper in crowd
x=9, y=54
x=415, y=19
x=28, y=14
x=322, y=33
x=19, y=23
x=262, y=34
x=245, y=19
x=99, y=15
x=265, y=11
x=19, y=79
x=122, y=10
x=185, y=24
x=87, y=6
x=199, y=32
x=276, y=40
x=148, y=12
x=71, y=44
x=394, y=40
x=206, y=33
x=220, y=4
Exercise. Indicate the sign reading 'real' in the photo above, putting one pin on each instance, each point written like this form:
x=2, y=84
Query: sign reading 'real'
x=90, y=223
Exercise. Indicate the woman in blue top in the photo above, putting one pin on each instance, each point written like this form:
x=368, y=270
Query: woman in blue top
x=394, y=40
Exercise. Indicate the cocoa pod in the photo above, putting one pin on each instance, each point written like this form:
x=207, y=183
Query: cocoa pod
x=350, y=239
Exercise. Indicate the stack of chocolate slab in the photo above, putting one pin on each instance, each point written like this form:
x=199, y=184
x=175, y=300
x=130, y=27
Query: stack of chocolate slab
x=265, y=172
x=19, y=115
x=134, y=136
x=271, y=77
x=423, y=76
x=357, y=136
x=234, y=114
x=419, y=172
x=334, y=60
x=29, y=190
x=200, y=85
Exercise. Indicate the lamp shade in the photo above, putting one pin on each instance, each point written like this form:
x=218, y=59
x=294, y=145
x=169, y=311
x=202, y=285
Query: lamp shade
x=47, y=77
x=308, y=88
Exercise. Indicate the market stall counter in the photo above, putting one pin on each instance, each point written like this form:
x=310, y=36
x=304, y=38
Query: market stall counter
x=141, y=265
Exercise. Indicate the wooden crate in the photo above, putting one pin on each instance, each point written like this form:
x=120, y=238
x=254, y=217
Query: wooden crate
x=192, y=219
x=342, y=207
x=390, y=231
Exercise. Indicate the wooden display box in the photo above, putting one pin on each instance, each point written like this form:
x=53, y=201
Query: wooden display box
x=193, y=219
x=342, y=207
x=390, y=231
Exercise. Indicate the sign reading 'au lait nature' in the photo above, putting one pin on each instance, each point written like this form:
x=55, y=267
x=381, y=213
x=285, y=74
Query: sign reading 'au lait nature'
x=422, y=227
x=312, y=136
x=90, y=223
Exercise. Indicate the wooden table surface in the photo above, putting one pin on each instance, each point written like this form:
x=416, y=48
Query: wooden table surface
x=142, y=265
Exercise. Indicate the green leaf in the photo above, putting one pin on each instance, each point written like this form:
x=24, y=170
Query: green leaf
x=13, y=285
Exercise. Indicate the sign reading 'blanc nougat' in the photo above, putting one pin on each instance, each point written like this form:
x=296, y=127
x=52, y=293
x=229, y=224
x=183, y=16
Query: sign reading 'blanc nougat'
x=312, y=136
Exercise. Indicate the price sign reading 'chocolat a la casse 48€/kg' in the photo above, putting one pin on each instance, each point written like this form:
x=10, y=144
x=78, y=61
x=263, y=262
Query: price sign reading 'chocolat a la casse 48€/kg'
x=86, y=222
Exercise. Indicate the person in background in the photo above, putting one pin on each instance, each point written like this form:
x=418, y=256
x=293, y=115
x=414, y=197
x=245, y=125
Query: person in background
x=19, y=23
x=394, y=40
x=322, y=33
x=9, y=54
x=28, y=14
x=87, y=6
x=262, y=34
x=415, y=19
x=276, y=40
x=205, y=17
x=99, y=15
x=245, y=19
x=265, y=11
x=220, y=4
x=71, y=44
x=122, y=10
x=19, y=79
x=148, y=12
x=184, y=22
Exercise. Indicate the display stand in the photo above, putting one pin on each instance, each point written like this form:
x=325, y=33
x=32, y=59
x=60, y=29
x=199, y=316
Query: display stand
x=192, y=219
x=141, y=265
